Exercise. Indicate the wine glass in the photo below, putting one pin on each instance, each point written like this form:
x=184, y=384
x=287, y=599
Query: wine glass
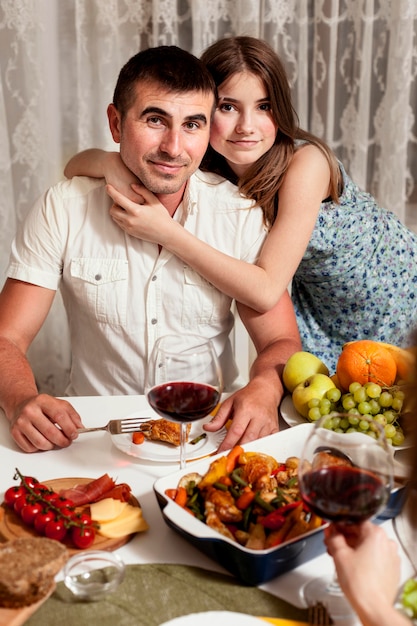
x=184, y=381
x=345, y=478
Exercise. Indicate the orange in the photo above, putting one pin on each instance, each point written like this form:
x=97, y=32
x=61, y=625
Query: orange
x=365, y=361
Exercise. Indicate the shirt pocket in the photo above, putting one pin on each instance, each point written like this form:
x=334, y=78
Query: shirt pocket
x=101, y=288
x=202, y=302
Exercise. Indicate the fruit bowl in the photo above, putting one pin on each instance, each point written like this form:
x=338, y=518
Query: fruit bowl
x=252, y=567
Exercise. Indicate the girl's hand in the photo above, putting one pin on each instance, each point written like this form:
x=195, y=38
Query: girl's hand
x=145, y=218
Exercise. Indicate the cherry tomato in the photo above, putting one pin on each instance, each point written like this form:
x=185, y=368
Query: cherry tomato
x=20, y=502
x=55, y=529
x=83, y=518
x=51, y=496
x=29, y=481
x=41, y=489
x=42, y=519
x=63, y=503
x=12, y=494
x=83, y=537
x=30, y=511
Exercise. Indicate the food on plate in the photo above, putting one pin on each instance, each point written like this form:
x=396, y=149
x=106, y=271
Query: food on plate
x=126, y=521
x=300, y=366
x=315, y=386
x=366, y=361
x=28, y=566
x=102, y=487
x=55, y=516
x=163, y=430
x=138, y=438
x=409, y=598
x=249, y=497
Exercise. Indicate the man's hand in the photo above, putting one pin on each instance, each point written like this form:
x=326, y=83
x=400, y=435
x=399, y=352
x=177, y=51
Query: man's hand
x=254, y=414
x=43, y=423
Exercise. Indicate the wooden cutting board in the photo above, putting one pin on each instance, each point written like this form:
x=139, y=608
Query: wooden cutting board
x=12, y=527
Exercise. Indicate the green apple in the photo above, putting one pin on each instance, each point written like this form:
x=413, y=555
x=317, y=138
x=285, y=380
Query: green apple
x=315, y=386
x=300, y=366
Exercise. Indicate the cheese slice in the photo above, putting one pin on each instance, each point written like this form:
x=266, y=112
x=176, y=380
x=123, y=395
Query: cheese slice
x=106, y=509
x=129, y=521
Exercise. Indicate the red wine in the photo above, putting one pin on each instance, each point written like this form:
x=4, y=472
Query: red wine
x=183, y=401
x=343, y=493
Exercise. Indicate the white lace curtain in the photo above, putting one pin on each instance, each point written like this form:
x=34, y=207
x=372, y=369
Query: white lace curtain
x=352, y=65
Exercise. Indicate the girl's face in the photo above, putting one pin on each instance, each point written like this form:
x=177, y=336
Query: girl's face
x=243, y=128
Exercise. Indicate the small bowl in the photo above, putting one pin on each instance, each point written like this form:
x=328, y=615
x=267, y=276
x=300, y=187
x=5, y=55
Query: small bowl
x=94, y=574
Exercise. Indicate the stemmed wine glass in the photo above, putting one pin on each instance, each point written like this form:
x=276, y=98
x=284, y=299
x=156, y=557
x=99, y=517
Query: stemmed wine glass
x=345, y=478
x=184, y=381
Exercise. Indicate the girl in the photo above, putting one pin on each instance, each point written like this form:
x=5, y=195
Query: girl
x=351, y=264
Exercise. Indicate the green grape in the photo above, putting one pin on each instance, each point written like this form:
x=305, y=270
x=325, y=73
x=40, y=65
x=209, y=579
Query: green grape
x=385, y=399
x=354, y=411
x=373, y=390
x=354, y=386
x=398, y=438
x=348, y=402
x=360, y=395
x=380, y=419
x=374, y=407
x=334, y=395
x=363, y=425
x=390, y=416
x=344, y=423
x=325, y=406
x=328, y=423
x=313, y=403
x=364, y=408
x=397, y=404
x=370, y=433
x=409, y=596
x=390, y=431
x=336, y=422
x=351, y=429
x=353, y=420
x=314, y=414
x=398, y=393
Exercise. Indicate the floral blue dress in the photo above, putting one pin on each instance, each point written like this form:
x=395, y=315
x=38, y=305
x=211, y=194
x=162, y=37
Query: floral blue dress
x=358, y=277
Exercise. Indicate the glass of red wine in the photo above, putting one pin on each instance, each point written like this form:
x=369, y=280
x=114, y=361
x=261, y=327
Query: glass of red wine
x=184, y=381
x=345, y=478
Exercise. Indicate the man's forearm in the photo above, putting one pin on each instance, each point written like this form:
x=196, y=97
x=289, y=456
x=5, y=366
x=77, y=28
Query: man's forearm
x=270, y=362
x=17, y=382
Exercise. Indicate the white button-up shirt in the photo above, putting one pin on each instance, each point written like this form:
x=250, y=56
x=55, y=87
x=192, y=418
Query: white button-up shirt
x=121, y=293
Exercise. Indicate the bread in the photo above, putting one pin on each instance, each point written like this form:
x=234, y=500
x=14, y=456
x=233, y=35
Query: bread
x=28, y=566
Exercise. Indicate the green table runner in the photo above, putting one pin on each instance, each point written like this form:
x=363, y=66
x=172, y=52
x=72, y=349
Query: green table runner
x=153, y=594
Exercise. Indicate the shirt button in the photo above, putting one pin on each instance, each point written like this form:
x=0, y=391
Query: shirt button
x=154, y=321
x=154, y=277
x=97, y=277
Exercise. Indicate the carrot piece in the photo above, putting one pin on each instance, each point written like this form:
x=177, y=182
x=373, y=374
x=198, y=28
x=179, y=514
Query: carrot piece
x=171, y=493
x=181, y=496
x=245, y=498
x=232, y=458
x=225, y=480
x=138, y=437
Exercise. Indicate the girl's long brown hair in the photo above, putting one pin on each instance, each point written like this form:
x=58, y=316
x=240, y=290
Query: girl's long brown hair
x=261, y=182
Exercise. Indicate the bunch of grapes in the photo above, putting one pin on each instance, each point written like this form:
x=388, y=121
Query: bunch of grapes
x=382, y=405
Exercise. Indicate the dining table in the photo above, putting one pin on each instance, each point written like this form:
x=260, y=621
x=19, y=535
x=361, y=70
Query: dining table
x=166, y=576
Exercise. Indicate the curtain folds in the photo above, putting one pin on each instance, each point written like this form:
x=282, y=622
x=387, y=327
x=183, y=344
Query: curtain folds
x=352, y=65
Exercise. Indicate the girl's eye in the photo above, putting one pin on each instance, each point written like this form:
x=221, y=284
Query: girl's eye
x=265, y=106
x=226, y=107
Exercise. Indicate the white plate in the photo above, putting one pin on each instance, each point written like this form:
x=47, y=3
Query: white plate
x=165, y=452
x=292, y=417
x=208, y=618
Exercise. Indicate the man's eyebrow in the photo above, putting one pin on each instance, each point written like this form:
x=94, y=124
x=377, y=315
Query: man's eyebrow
x=198, y=117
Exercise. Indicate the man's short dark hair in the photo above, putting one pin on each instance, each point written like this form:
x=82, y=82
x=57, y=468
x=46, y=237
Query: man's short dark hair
x=174, y=69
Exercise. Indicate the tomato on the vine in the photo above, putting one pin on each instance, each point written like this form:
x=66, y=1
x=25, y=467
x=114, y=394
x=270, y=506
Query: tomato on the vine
x=83, y=537
x=55, y=529
x=30, y=511
x=42, y=519
x=12, y=494
x=84, y=519
x=29, y=481
x=20, y=502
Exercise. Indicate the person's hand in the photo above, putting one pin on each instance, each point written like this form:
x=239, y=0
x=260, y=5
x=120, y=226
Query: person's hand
x=119, y=176
x=253, y=414
x=145, y=218
x=43, y=423
x=367, y=564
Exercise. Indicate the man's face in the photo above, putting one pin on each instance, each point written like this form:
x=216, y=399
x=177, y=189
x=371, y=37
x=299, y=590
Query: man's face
x=163, y=136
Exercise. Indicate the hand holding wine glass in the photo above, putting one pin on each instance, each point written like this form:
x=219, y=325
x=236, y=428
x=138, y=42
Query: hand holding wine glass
x=345, y=478
x=184, y=381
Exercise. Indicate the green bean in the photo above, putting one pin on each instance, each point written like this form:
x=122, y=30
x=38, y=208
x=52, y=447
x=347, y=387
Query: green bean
x=266, y=506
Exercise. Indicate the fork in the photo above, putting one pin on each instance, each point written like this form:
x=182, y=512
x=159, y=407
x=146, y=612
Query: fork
x=118, y=427
x=318, y=615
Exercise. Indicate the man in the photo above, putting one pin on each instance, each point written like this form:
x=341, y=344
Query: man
x=121, y=293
